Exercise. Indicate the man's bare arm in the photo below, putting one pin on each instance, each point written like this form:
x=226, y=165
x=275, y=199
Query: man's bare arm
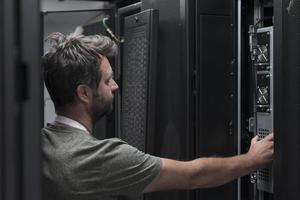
x=210, y=172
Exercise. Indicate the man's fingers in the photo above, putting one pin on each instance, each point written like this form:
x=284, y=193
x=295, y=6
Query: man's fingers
x=269, y=137
x=254, y=140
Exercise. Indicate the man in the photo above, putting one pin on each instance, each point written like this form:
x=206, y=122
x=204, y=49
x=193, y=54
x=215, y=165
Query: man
x=76, y=165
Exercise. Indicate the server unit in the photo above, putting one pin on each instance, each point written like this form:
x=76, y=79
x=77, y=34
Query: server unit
x=260, y=83
x=262, y=49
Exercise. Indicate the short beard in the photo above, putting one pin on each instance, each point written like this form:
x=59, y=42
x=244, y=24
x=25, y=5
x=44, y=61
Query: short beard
x=100, y=108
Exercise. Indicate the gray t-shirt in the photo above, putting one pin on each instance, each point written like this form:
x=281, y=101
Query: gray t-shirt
x=77, y=166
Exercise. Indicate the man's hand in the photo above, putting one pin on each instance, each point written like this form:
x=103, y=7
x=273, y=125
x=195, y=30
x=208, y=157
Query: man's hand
x=211, y=172
x=262, y=152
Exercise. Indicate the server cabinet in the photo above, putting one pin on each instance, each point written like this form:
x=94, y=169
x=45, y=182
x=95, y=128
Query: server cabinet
x=192, y=54
x=20, y=104
x=173, y=133
x=216, y=133
x=276, y=95
x=286, y=102
x=216, y=119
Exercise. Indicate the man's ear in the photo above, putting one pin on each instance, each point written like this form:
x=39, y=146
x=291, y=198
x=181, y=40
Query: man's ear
x=84, y=93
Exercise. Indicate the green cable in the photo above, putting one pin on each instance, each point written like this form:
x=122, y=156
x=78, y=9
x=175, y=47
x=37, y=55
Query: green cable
x=110, y=32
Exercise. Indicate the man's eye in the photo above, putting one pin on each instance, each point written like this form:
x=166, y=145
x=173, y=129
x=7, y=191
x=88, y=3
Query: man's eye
x=108, y=81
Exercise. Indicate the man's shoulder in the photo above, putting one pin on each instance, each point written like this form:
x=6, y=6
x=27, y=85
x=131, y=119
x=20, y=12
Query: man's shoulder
x=114, y=140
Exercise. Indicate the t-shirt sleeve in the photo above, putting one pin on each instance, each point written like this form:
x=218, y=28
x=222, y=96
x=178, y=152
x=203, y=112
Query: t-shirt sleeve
x=114, y=168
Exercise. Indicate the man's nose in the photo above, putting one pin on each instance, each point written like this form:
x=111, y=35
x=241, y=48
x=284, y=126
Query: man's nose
x=114, y=86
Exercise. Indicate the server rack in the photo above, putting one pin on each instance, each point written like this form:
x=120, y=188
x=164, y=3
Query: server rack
x=20, y=104
x=286, y=84
x=174, y=137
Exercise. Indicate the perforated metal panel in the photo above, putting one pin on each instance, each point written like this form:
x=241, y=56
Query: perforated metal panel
x=137, y=79
x=263, y=133
x=265, y=176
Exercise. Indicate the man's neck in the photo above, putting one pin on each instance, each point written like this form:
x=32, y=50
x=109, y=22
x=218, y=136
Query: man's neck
x=81, y=118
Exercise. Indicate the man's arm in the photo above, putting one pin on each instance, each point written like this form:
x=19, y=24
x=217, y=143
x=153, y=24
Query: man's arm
x=210, y=172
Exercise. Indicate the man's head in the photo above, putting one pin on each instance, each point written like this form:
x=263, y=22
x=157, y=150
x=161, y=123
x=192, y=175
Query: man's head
x=76, y=70
x=102, y=101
